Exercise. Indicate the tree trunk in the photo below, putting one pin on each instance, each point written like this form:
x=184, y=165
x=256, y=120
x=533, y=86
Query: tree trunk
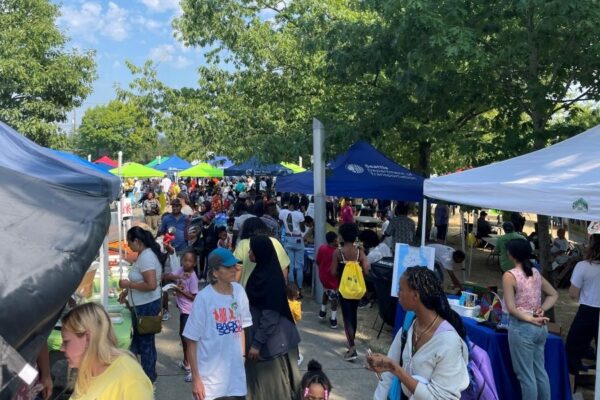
x=424, y=168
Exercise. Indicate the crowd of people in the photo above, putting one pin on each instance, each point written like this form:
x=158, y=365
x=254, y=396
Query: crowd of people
x=236, y=256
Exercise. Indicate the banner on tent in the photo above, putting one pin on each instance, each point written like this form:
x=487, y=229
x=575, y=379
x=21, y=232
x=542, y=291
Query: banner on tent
x=126, y=208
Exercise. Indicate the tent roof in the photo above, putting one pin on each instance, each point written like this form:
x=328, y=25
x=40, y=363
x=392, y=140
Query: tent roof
x=202, y=170
x=294, y=167
x=174, y=164
x=254, y=167
x=155, y=162
x=55, y=233
x=21, y=155
x=107, y=160
x=361, y=172
x=102, y=167
x=135, y=170
x=562, y=180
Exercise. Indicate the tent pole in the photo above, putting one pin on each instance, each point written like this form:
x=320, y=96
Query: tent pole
x=104, y=272
x=424, y=223
x=120, y=217
x=319, y=198
x=597, y=390
x=462, y=241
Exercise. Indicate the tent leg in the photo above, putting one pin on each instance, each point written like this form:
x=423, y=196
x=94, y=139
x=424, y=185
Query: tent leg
x=597, y=390
x=104, y=273
x=424, y=223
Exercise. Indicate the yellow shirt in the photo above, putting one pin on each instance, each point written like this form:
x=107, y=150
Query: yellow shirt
x=296, y=309
x=241, y=253
x=123, y=379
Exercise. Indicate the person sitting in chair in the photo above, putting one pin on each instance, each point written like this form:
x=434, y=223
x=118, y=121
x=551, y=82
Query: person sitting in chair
x=484, y=228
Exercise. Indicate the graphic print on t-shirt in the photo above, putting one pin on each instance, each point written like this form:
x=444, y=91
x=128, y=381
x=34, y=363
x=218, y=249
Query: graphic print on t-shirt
x=227, y=321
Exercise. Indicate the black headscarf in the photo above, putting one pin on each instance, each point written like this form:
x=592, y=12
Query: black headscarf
x=266, y=285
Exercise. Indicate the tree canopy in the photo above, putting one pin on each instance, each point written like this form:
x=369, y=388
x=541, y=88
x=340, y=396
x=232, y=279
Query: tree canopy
x=41, y=81
x=117, y=126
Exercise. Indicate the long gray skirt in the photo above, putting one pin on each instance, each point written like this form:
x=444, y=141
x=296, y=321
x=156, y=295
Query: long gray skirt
x=274, y=379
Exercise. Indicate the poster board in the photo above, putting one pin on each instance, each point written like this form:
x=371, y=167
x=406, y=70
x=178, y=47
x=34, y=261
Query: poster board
x=408, y=256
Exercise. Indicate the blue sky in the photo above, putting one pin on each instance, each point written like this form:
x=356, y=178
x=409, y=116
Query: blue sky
x=133, y=30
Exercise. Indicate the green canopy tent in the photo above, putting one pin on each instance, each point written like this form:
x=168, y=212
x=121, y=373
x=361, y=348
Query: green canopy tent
x=135, y=170
x=294, y=167
x=202, y=170
x=158, y=160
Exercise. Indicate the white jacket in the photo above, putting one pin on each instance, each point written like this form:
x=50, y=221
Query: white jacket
x=442, y=362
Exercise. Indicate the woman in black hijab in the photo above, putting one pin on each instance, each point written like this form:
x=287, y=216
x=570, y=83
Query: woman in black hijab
x=272, y=359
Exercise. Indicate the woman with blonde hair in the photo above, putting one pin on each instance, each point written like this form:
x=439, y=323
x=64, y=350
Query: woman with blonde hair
x=105, y=371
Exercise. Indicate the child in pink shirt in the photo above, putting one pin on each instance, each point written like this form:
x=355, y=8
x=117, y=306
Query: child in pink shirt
x=186, y=290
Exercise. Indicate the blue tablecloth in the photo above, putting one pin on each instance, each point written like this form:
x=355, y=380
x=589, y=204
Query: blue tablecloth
x=496, y=345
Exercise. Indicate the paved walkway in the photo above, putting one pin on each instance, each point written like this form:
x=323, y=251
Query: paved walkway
x=349, y=380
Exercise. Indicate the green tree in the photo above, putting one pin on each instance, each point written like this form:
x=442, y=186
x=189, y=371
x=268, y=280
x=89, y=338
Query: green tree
x=40, y=80
x=544, y=57
x=117, y=126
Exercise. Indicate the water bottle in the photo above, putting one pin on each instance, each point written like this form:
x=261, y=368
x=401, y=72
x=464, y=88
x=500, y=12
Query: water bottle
x=283, y=234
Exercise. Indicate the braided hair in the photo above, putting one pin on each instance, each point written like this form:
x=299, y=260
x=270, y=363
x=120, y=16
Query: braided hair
x=314, y=375
x=433, y=297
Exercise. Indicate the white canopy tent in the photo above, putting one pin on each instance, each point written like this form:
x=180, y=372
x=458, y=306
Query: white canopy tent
x=562, y=180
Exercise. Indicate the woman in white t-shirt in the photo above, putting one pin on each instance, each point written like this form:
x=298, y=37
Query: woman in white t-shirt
x=144, y=293
x=585, y=287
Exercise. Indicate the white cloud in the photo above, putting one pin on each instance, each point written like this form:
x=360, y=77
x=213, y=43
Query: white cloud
x=182, y=62
x=162, y=5
x=164, y=53
x=147, y=23
x=168, y=53
x=115, y=25
x=90, y=20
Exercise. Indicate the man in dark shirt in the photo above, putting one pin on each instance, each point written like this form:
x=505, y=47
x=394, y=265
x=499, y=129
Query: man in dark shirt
x=483, y=226
x=175, y=219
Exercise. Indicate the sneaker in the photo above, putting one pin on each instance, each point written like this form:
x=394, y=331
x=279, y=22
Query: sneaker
x=350, y=356
x=322, y=315
x=184, y=367
x=188, y=377
x=363, y=303
x=166, y=315
x=300, y=359
x=333, y=323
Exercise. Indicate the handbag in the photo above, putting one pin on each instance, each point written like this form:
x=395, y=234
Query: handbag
x=147, y=324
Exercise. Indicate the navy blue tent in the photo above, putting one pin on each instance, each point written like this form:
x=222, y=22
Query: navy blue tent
x=55, y=217
x=360, y=172
x=173, y=164
x=253, y=167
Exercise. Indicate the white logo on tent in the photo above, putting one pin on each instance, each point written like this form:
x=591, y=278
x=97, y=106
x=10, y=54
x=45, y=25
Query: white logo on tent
x=357, y=169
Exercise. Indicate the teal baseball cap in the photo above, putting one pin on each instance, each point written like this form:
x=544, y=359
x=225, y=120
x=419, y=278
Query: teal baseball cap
x=221, y=257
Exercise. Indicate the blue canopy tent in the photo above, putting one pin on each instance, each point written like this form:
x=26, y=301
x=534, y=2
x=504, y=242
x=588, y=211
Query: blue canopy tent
x=360, y=172
x=220, y=162
x=255, y=168
x=173, y=164
x=56, y=215
x=100, y=166
x=104, y=167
